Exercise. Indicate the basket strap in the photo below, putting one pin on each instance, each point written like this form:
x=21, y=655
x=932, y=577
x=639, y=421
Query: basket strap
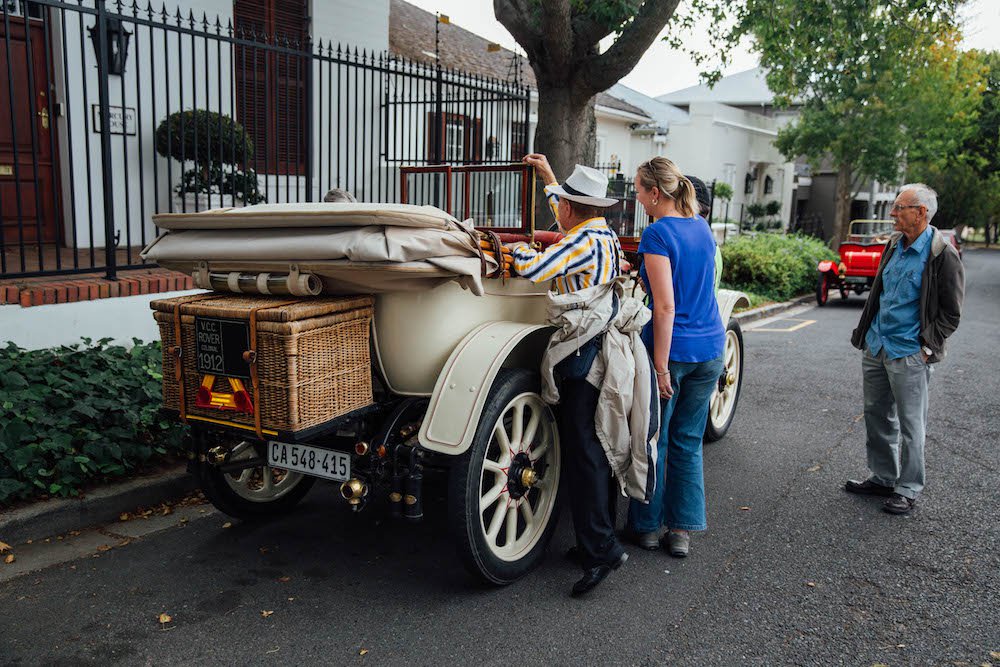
x=177, y=351
x=252, y=360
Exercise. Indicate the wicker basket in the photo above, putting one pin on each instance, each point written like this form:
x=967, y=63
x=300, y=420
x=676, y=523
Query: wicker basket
x=312, y=358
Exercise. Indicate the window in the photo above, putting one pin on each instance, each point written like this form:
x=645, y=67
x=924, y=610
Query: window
x=270, y=85
x=729, y=174
x=768, y=185
x=748, y=184
x=518, y=140
x=458, y=139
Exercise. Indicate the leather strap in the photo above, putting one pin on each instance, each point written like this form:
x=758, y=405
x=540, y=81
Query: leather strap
x=252, y=360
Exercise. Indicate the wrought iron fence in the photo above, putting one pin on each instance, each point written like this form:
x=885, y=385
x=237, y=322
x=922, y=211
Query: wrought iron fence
x=116, y=112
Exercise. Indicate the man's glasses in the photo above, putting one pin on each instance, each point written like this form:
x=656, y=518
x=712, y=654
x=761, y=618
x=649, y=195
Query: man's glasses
x=900, y=207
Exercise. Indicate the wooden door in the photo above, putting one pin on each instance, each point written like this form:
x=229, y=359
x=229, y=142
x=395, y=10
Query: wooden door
x=27, y=173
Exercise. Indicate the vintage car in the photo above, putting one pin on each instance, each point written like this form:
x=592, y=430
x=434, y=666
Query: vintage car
x=453, y=383
x=859, y=259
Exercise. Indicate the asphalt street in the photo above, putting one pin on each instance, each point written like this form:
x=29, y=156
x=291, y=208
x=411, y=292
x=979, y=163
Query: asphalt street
x=792, y=570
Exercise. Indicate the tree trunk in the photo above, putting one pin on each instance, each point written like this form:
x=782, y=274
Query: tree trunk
x=566, y=134
x=842, y=212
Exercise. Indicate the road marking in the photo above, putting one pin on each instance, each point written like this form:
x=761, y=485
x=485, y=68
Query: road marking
x=795, y=327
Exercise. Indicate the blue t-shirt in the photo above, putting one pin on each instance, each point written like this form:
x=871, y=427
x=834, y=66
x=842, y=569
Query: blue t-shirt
x=688, y=243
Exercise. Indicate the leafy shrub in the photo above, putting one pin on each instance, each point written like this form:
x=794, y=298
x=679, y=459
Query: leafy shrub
x=203, y=137
x=72, y=416
x=723, y=191
x=772, y=207
x=777, y=266
x=219, y=181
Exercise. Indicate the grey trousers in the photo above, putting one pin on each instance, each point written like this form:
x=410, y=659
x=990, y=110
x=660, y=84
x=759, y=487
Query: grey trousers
x=896, y=420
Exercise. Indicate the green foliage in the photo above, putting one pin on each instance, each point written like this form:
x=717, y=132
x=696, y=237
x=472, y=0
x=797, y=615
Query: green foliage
x=772, y=207
x=773, y=266
x=72, y=416
x=723, y=191
x=964, y=197
x=217, y=180
x=756, y=210
x=203, y=137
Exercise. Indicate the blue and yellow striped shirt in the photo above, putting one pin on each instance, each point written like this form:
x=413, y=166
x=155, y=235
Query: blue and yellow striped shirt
x=589, y=255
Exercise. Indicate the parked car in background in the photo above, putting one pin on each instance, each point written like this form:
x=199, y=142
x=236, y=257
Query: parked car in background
x=951, y=237
x=860, y=255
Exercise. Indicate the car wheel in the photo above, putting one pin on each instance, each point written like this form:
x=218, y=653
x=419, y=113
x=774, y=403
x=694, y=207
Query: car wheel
x=822, y=289
x=253, y=493
x=722, y=406
x=502, y=491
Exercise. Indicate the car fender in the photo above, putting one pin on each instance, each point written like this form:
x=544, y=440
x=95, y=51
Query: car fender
x=728, y=300
x=465, y=381
x=825, y=265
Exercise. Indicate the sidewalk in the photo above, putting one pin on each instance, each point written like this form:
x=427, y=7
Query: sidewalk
x=54, y=517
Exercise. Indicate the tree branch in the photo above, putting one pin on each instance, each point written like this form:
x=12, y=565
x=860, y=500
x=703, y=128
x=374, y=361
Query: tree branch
x=603, y=71
x=519, y=19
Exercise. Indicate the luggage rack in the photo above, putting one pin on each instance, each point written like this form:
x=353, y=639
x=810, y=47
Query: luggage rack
x=525, y=197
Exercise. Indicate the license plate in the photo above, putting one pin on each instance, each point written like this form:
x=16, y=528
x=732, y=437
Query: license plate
x=309, y=460
x=855, y=279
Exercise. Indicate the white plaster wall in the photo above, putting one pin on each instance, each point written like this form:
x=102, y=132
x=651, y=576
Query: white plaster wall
x=361, y=23
x=121, y=319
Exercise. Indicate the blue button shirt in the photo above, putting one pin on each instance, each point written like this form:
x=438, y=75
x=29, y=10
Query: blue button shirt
x=897, y=325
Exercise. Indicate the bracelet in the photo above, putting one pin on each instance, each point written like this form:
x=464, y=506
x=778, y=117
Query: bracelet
x=666, y=372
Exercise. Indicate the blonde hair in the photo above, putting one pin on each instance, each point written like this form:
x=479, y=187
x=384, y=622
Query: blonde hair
x=664, y=175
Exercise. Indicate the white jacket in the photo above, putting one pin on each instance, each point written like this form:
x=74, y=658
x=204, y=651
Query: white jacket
x=628, y=410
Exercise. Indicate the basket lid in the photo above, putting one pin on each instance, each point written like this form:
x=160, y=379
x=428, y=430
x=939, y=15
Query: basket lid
x=272, y=308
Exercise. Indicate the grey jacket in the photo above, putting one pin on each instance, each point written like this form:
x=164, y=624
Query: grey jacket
x=627, y=420
x=942, y=288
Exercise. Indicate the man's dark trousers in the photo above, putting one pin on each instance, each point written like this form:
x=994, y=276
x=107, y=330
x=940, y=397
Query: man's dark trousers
x=587, y=472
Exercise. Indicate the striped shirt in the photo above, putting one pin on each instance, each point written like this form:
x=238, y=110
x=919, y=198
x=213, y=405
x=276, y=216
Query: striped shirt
x=589, y=255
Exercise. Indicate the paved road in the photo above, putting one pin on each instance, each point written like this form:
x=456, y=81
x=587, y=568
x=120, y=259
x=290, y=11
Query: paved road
x=792, y=570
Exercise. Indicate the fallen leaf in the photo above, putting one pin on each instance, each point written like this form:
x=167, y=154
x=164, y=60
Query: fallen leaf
x=28, y=542
x=74, y=533
x=813, y=469
x=104, y=547
x=263, y=550
x=228, y=524
x=284, y=579
x=363, y=651
x=858, y=418
x=291, y=599
x=745, y=508
x=168, y=510
x=9, y=559
x=811, y=584
x=6, y=547
x=266, y=613
x=184, y=519
x=165, y=618
x=995, y=654
x=124, y=516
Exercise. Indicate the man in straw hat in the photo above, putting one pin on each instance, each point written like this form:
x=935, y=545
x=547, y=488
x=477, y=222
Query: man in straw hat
x=589, y=255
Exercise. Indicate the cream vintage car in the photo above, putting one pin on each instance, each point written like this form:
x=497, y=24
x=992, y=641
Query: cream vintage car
x=454, y=361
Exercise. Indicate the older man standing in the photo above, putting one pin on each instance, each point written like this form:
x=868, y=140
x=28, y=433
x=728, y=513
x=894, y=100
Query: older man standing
x=914, y=305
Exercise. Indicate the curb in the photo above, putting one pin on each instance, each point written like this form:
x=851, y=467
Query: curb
x=102, y=505
x=770, y=309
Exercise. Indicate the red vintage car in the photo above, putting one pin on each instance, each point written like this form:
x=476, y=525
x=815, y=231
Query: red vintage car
x=859, y=258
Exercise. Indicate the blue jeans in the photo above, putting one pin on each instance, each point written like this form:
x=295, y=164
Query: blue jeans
x=679, y=500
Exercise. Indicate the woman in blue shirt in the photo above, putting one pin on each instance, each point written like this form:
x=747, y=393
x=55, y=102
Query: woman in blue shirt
x=685, y=339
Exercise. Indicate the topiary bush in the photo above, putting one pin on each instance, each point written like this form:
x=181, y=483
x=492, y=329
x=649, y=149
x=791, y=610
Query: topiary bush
x=204, y=137
x=777, y=266
x=77, y=415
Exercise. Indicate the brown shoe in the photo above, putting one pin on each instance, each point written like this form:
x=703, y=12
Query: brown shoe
x=868, y=488
x=897, y=504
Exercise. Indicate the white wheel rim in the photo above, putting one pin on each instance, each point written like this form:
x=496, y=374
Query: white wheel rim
x=724, y=401
x=263, y=484
x=513, y=526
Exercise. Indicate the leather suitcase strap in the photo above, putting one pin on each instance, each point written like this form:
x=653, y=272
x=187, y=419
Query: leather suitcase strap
x=251, y=357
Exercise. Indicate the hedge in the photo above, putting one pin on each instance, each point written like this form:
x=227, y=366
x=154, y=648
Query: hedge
x=78, y=415
x=777, y=266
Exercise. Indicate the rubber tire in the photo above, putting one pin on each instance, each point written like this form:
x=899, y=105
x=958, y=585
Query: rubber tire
x=227, y=501
x=822, y=290
x=463, y=490
x=712, y=433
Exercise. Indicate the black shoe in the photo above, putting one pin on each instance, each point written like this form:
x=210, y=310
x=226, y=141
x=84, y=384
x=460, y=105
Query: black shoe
x=868, y=488
x=897, y=504
x=595, y=575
